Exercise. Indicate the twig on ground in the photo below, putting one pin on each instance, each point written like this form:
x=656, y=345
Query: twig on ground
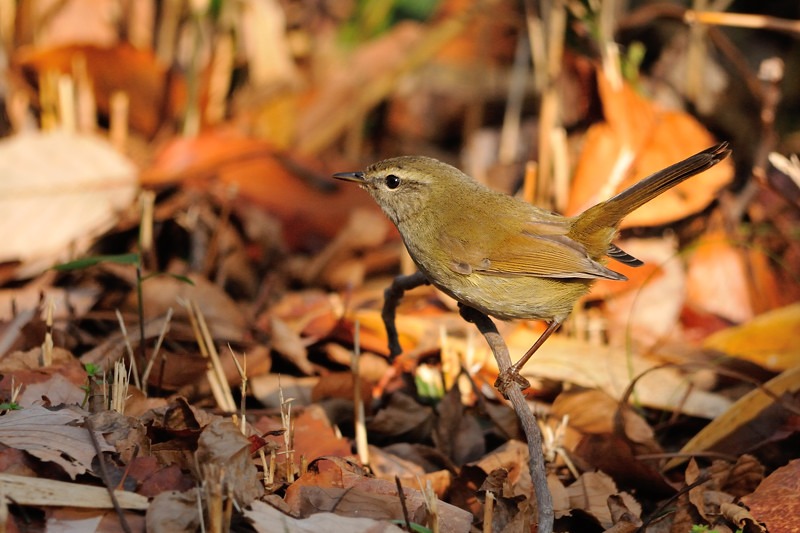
x=544, y=500
x=123, y=522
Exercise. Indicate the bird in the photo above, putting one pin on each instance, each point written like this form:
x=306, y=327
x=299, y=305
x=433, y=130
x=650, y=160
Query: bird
x=501, y=255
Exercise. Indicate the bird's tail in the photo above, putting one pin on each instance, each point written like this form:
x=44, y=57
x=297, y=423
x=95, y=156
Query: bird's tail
x=607, y=215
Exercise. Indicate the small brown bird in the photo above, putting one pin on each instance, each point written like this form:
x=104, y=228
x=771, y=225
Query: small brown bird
x=501, y=255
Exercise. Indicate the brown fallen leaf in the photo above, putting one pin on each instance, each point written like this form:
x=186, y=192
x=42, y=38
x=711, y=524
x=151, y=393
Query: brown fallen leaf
x=225, y=318
x=741, y=517
x=729, y=281
x=774, y=502
x=614, y=456
x=153, y=94
x=222, y=444
x=402, y=416
x=625, y=521
x=264, y=519
x=152, y=478
x=707, y=497
x=457, y=432
x=50, y=436
x=332, y=485
x=308, y=213
x=593, y=411
x=173, y=511
x=92, y=521
x=591, y=491
x=649, y=313
x=611, y=369
x=58, y=390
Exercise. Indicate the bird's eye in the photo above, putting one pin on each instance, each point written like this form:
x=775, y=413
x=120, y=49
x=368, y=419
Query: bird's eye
x=392, y=181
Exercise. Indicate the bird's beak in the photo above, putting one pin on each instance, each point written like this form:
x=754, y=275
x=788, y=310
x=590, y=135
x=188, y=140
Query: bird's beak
x=357, y=177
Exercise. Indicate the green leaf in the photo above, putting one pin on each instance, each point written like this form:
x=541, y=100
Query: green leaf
x=92, y=369
x=86, y=262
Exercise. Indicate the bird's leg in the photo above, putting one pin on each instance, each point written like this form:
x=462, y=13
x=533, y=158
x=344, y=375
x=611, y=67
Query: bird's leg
x=391, y=299
x=512, y=373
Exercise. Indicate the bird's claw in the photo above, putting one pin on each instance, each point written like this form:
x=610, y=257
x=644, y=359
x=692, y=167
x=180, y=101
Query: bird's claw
x=510, y=378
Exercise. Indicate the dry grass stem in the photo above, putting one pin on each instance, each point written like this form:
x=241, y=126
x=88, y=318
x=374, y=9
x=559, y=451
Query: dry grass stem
x=129, y=349
x=488, y=512
x=118, y=121
x=264, y=468
x=742, y=20
x=147, y=200
x=362, y=447
x=67, y=113
x=119, y=390
x=47, y=345
x=85, y=103
x=432, y=502
x=220, y=78
x=163, y=333
x=212, y=484
x=288, y=433
x=242, y=369
x=215, y=374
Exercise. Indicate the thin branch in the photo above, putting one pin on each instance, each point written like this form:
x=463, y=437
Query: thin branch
x=104, y=476
x=536, y=464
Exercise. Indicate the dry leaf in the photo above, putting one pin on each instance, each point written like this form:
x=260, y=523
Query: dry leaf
x=174, y=512
x=223, y=445
x=769, y=340
x=591, y=492
x=225, y=318
x=775, y=502
x=611, y=369
x=707, y=497
x=58, y=390
x=152, y=93
x=50, y=436
x=745, y=411
x=639, y=139
x=265, y=519
x=52, y=206
x=84, y=21
x=337, y=486
x=614, y=456
x=39, y=491
x=593, y=411
x=717, y=279
x=651, y=311
x=741, y=517
x=456, y=432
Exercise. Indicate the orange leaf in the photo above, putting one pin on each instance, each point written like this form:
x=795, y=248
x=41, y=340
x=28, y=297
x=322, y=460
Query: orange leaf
x=637, y=139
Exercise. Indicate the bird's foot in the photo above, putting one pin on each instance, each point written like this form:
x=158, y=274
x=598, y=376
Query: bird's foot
x=510, y=378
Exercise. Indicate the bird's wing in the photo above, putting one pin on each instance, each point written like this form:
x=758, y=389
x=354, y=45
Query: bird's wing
x=539, y=249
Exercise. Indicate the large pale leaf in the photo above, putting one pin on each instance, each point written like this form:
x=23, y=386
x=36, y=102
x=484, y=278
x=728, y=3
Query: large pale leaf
x=57, y=190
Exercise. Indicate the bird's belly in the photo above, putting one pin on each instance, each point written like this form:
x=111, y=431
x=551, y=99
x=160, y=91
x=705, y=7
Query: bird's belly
x=514, y=297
